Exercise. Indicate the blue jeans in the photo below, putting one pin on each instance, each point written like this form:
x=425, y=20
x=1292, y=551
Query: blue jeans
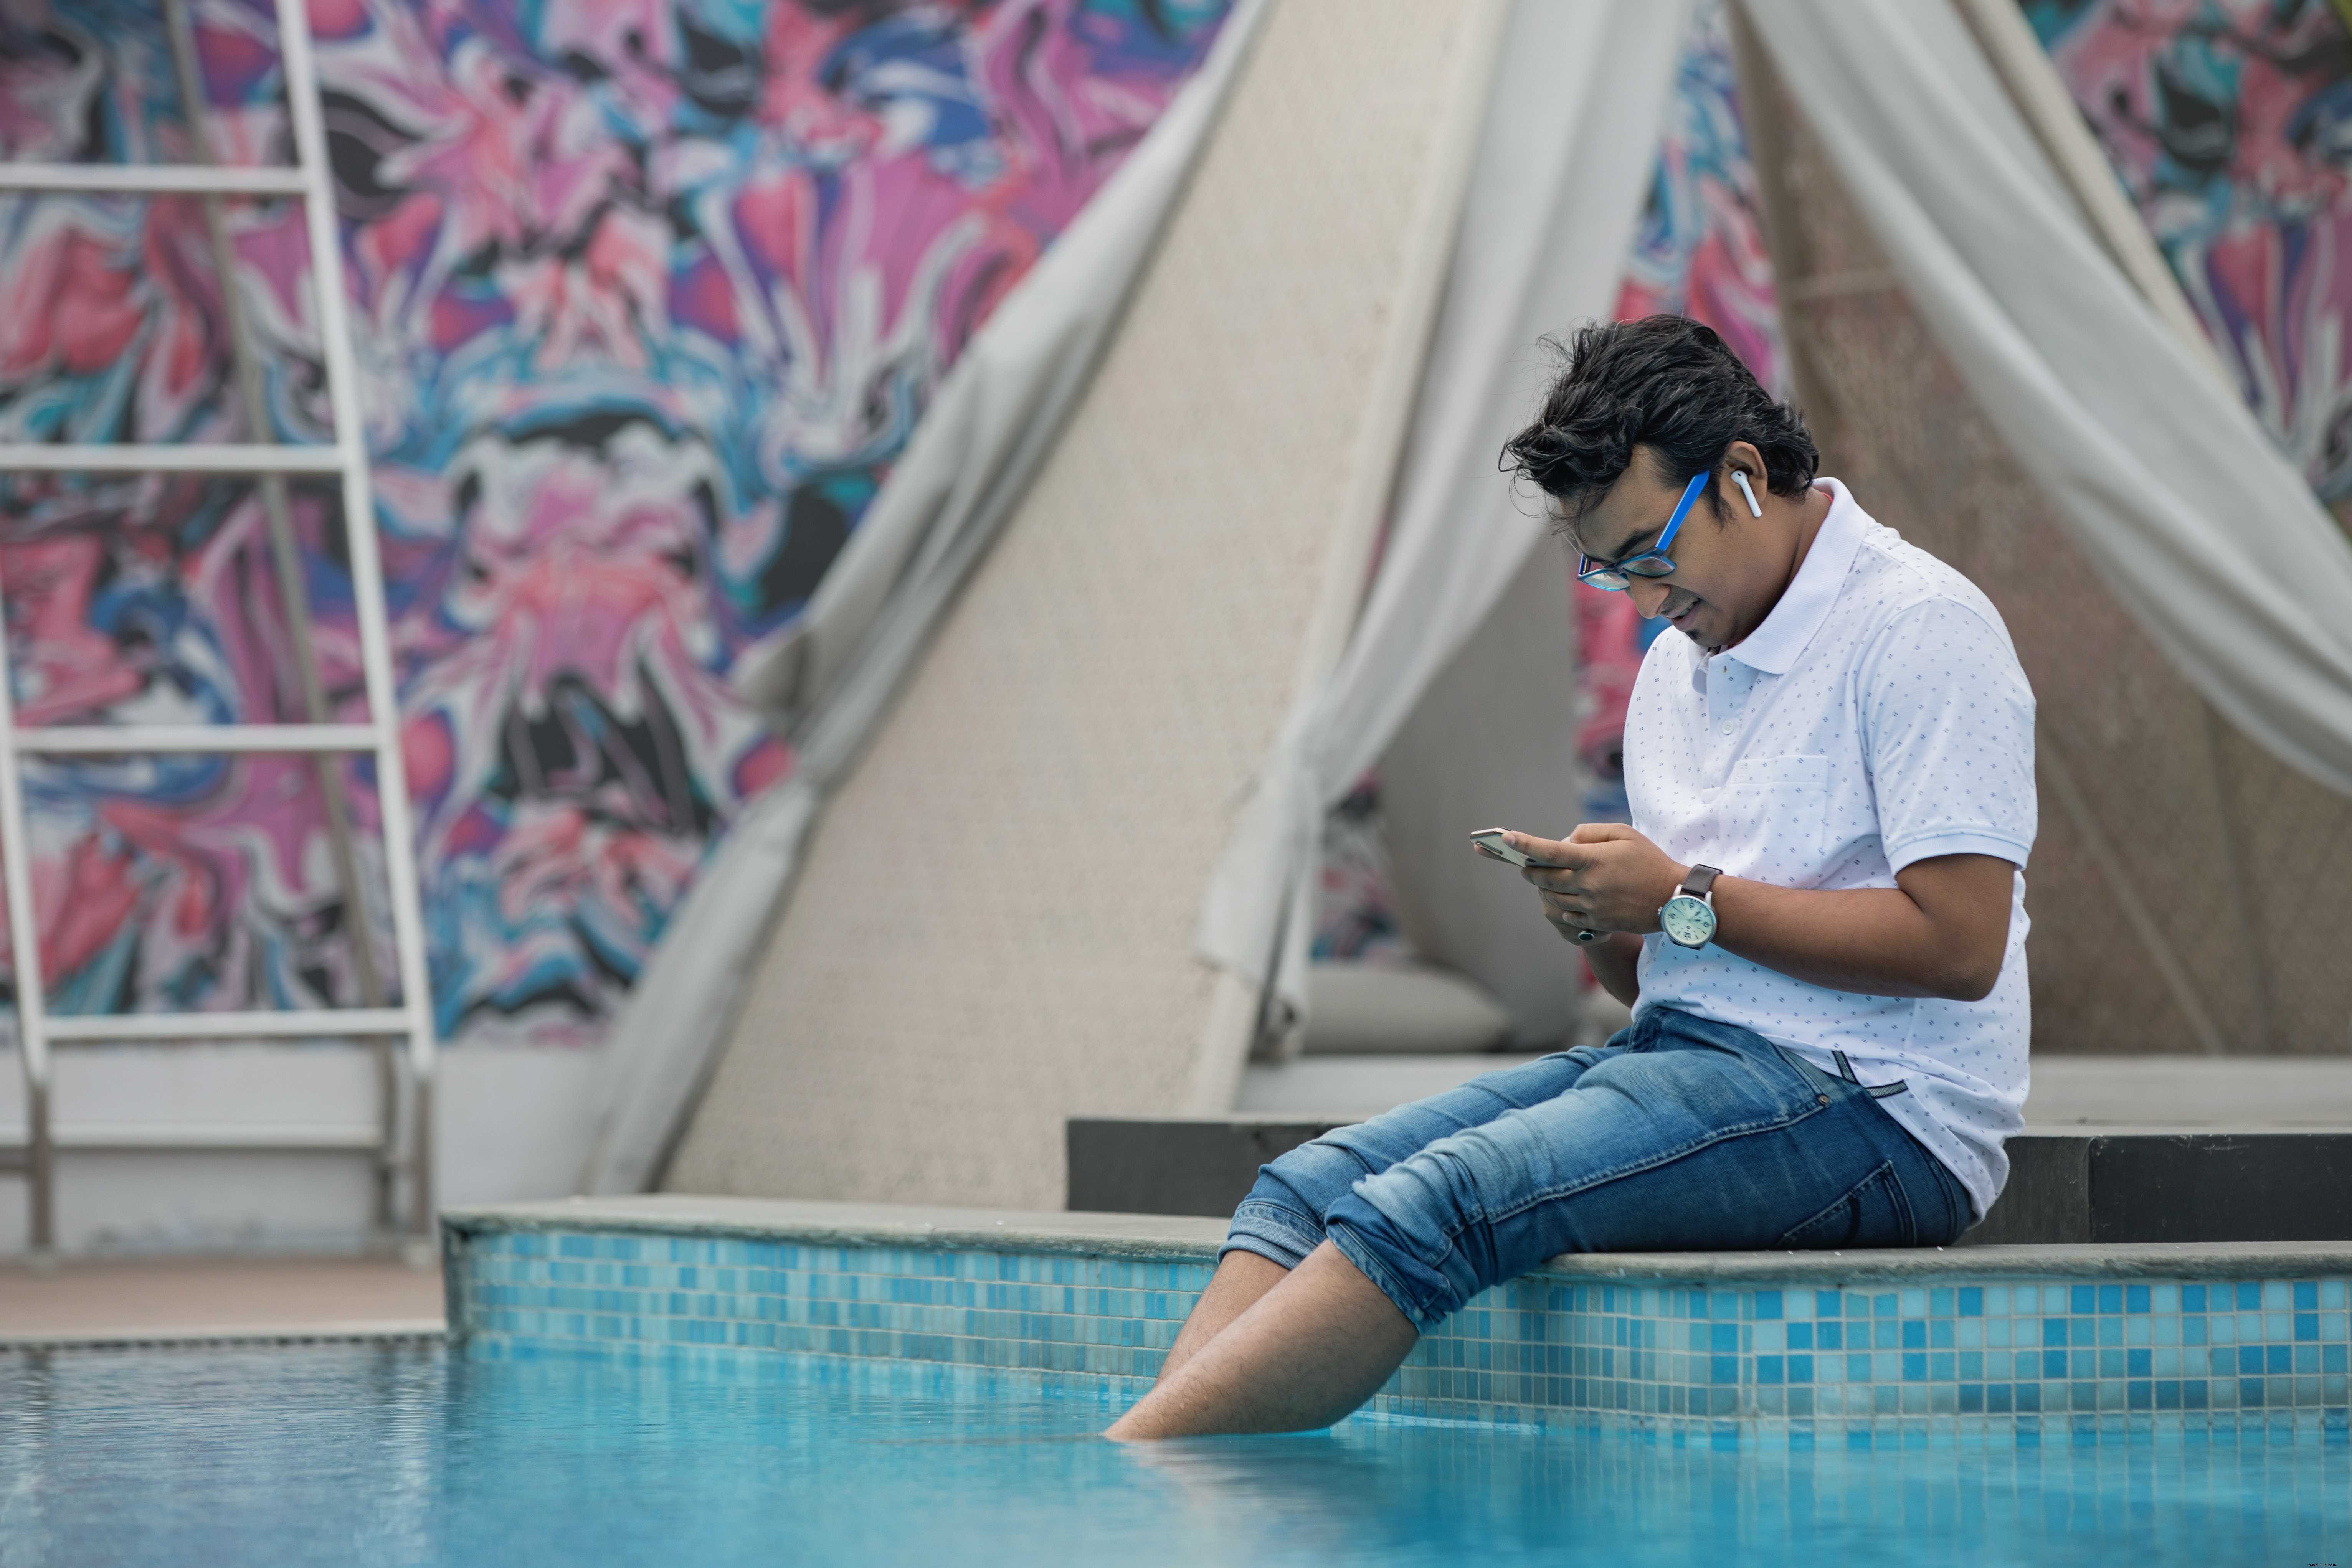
x=1680, y=1135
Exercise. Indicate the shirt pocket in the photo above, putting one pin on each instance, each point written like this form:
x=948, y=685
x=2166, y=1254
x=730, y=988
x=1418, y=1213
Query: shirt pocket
x=1774, y=815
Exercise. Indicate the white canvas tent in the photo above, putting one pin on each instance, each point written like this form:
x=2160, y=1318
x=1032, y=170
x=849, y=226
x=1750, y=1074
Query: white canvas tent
x=1067, y=872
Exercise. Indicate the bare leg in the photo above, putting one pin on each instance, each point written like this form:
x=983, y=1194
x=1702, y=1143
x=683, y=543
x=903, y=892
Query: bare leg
x=1240, y=1279
x=1312, y=1349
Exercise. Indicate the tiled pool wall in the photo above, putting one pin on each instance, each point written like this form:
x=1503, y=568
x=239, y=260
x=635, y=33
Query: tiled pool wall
x=2030, y=1356
x=1793, y=1365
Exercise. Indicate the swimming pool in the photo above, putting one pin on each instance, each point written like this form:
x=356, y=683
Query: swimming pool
x=367, y=1455
x=717, y=1381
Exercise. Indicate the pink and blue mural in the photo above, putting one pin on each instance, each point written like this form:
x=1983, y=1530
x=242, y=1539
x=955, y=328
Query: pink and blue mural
x=2230, y=122
x=646, y=298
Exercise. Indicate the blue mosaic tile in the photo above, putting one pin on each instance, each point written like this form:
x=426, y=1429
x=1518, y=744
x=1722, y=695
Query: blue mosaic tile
x=2007, y=1357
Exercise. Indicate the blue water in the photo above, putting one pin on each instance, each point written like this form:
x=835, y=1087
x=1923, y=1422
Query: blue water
x=360, y=1455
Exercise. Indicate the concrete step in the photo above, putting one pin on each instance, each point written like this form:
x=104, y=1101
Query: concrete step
x=2103, y=1185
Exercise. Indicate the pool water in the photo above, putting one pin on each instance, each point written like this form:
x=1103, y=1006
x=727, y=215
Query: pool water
x=361, y=1455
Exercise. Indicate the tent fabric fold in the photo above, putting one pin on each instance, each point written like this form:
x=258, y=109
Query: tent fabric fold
x=1556, y=189
x=833, y=674
x=2200, y=525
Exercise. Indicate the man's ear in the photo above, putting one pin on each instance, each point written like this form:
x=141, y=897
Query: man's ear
x=1741, y=457
x=1744, y=473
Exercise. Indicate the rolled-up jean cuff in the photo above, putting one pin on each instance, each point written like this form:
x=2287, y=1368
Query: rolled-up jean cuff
x=1275, y=1233
x=1353, y=1248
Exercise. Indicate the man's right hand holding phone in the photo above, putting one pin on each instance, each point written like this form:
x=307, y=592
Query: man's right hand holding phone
x=1600, y=888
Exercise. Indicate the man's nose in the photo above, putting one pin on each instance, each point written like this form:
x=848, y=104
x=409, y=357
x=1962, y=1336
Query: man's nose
x=1649, y=595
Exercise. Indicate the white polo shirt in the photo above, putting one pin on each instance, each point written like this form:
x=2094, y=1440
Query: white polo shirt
x=1878, y=716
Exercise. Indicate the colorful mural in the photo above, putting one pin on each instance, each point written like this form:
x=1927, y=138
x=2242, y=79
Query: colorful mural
x=646, y=298
x=2230, y=121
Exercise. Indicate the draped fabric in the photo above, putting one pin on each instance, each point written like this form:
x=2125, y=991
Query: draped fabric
x=2228, y=122
x=1571, y=130
x=2205, y=531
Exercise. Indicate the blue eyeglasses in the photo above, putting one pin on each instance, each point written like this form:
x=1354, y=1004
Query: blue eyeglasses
x=1617, y=575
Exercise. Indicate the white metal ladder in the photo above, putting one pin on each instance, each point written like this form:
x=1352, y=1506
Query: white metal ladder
x=310, y=181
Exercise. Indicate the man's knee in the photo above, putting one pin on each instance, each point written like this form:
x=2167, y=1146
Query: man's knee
x=1418, y=1230
x=1282, y=1218
x=1314, y=1176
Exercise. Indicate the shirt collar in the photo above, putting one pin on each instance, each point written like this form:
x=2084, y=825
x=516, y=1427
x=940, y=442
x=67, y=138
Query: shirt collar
x=1773, y=647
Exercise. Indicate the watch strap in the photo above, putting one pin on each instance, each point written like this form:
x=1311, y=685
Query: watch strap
x=1701, y=880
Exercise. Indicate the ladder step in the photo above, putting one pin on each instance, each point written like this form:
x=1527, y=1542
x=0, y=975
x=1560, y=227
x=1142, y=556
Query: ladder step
x=319, y=1023
x=140, y=739
x=225, y=1137
x=130, y=457
x=150, y=180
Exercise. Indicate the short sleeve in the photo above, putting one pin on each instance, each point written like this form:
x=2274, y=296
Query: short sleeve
x=1948, y=726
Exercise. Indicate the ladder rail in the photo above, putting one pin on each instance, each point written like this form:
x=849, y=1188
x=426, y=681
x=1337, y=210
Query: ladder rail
x=293, y=595
x=288, y=1023
x=150, y=180
x=138, y=457
x=367, y=585
x=125, y=740
x=212, y=1137
x=25, y=950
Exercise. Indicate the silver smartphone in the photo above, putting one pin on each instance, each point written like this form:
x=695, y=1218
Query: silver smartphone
x=1492, y=841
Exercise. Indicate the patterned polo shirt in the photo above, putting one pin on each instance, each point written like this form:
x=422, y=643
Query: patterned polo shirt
x=1878, y=716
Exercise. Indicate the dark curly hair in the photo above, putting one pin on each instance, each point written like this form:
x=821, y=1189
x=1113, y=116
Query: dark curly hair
x=1666, y=382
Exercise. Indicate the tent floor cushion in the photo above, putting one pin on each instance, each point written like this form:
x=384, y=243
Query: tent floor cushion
x=1410, y=1009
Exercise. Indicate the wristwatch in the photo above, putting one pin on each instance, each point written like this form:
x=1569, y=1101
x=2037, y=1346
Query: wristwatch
x=1689, y=917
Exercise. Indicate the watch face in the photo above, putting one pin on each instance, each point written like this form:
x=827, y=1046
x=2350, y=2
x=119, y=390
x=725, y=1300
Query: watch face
x=1686, y=921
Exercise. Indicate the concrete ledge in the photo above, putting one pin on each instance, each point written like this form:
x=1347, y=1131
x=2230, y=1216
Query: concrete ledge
x=2146, y=1260
x=1183, y=1238
x=422, y=1330
x=809, y=1220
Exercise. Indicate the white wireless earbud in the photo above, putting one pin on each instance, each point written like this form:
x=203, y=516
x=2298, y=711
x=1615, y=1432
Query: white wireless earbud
x=1741, y=480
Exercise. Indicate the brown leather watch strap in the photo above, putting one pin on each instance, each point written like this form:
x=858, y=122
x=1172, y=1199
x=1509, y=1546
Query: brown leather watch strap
x=1701, y=878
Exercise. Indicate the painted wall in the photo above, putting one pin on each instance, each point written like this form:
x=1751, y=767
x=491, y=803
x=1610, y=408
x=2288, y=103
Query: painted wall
x=648, y=297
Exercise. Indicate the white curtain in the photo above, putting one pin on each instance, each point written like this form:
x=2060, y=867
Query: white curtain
x=1563, y=163
x=2195, y=519
x=833, y=676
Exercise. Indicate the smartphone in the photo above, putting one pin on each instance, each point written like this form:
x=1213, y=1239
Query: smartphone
x=1492, y=841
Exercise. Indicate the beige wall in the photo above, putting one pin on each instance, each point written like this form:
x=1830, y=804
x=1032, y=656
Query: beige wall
x=993, y=929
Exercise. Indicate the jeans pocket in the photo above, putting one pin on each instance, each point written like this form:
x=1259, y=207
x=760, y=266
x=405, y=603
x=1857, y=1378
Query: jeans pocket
x=1873, y=1213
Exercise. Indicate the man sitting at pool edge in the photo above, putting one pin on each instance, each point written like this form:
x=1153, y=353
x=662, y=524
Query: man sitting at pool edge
x=1816, y=916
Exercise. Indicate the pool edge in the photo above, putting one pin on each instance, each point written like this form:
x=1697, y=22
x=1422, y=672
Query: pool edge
x=2202, y=1335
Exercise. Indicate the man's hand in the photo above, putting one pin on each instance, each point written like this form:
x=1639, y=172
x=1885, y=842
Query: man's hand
x=1602, y=877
